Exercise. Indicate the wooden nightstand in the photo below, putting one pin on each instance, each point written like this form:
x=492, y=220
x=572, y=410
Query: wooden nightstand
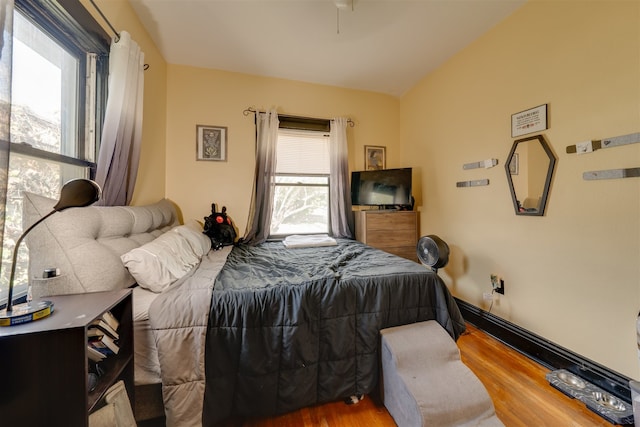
x=44, y=364
x=395, y=232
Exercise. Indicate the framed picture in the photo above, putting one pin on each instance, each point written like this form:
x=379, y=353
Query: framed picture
x=211, y=143
x=514, y=164
x=375, y=157
x=528, y=121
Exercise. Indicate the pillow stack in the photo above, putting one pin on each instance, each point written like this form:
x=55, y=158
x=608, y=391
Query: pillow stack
x=159, y=263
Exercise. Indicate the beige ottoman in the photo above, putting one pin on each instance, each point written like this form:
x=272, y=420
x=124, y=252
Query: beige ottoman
x=426, y=384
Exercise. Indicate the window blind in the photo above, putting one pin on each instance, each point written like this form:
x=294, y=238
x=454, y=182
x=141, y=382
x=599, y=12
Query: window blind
x=301, y=152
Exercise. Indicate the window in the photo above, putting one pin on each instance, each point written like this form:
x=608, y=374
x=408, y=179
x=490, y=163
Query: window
x=58, y=93
x=301, y=196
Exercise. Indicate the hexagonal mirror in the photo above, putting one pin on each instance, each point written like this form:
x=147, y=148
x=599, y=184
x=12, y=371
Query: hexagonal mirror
x=529, y=169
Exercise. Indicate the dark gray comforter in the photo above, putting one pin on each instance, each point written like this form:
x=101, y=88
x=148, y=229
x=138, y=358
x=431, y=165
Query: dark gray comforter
x=290, y=328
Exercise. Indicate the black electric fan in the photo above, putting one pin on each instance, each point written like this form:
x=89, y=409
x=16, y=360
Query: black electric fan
x=433, y=252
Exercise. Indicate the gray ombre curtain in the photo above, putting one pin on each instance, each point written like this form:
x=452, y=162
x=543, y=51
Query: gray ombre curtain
x=340, y=196
x=259, y=221
x=6, y=45
x=122, y=131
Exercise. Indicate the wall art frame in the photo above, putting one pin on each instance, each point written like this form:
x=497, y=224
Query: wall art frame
x=375, y=157
x=211, y=143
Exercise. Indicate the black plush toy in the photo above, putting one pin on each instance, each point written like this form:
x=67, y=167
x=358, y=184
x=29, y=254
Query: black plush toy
x=219, y=227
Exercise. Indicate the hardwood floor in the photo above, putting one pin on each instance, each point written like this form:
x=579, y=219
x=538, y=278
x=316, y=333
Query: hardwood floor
x=517, y=385
x=521, y=395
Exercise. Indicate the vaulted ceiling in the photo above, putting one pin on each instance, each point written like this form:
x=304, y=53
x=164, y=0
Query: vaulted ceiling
x=384, y=46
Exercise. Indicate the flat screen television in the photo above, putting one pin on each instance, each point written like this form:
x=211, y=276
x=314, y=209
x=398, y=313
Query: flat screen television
x=386, y=188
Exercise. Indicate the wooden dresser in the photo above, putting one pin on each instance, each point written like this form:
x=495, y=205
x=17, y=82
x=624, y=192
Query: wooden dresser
x=392, y=231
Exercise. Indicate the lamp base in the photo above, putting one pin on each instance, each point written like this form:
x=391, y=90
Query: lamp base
x=25, y=313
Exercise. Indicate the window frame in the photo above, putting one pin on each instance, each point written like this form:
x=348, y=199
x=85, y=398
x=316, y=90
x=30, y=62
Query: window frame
x=318, y=126
x=70, y=24
x=327, y=186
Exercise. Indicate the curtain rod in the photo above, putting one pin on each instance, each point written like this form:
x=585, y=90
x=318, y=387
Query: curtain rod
x=117, y=34
x=250, y=110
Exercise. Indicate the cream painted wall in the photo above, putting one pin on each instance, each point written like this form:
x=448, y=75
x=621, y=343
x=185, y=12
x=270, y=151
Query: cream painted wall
x=573, y=275
x=150, y=183
x=212, y=97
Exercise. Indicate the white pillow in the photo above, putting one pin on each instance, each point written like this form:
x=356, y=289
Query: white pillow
x=192, y=231
x=159, y=263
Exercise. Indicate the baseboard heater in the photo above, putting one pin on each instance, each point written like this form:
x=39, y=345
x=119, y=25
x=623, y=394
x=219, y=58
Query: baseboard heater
x=546, y=352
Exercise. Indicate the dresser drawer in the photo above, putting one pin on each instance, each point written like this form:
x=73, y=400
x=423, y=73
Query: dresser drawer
x=391, y=221
x=386, y=238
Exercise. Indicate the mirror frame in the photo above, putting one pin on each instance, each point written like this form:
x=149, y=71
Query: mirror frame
x=547, y=183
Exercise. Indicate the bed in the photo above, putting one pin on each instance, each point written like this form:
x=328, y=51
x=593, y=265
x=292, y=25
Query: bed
x=255, y=331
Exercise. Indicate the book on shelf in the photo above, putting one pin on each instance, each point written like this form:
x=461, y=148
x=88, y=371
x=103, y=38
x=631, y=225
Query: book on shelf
x=111, y=320
x=94, y=332
x=105, y=351
x=102, y=336
x=94, y=355
x=104, y=341
x=104, y=327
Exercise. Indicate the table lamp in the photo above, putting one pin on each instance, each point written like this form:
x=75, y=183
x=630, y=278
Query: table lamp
x=76, y=193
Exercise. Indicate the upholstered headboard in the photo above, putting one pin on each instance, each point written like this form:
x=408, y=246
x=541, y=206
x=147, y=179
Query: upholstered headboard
x=85, y=244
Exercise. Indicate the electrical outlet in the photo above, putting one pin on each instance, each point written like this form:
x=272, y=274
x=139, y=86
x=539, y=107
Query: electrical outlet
x=497, y=284
x=494, y=281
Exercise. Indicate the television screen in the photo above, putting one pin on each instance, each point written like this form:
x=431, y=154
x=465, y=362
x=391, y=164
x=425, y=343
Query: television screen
x=386, y=187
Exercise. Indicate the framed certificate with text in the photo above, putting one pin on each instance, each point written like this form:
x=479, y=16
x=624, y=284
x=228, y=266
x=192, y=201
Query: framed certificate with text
x=529, y=121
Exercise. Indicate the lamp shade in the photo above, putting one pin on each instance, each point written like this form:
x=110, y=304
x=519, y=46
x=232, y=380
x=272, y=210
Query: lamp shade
x=78, y=193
